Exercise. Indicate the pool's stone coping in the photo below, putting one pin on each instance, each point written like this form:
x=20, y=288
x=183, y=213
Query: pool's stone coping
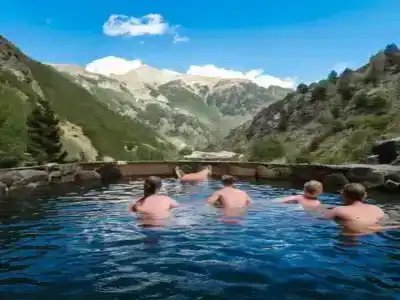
x=332, y=176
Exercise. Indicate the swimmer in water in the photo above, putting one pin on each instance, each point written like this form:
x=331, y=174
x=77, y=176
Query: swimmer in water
x=355, y=215
x=309, y=198
x=152, y=207
x=202, y=175
x=229, y=197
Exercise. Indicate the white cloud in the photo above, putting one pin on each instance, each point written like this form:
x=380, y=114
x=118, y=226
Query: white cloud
x=256, y=76
x=172, y=72
x=340, y=67
x=180, y=39
x=113, y=65
x=151, y=24
x=116, y=65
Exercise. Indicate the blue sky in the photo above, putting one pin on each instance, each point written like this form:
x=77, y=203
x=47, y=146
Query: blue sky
x=301, y=39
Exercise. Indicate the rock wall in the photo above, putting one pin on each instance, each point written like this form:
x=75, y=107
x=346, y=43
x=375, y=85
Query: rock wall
x=332, y=176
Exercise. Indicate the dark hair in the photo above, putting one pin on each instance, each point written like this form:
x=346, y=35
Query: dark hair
x=354, y=192
x=228, y=180
x=150, y=187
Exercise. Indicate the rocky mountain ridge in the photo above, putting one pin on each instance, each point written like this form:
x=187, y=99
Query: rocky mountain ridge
x=335, y=120
x=187, y=110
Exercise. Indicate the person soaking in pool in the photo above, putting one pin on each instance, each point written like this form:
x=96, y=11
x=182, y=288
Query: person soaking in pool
x=229, y=196
x=152, y=206
x=355, y=215
x=308, y=200
x=202, y=175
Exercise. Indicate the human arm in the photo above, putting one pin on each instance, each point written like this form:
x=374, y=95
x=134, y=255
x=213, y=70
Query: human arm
x=290, y=199
x=248, y=200
x=173, y=203
x=135, y=207
x=213, y=199
x=328, y=214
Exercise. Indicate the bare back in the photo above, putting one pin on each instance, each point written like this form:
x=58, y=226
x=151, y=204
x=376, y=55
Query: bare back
x=231, y=197
x=360, y=213
x=156, y=205
x=306, y=203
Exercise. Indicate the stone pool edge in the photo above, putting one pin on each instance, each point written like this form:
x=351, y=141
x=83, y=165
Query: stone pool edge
x=386, y=177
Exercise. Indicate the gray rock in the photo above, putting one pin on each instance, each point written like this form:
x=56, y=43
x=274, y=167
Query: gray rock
x=391, y=185
x=283, y=173
x=55, y=176
x=3, y=189
x=334, y=182
x=69, y=169
x=50, y=167
x=86, y=175
x=8, y=178
x=109, y=173
x=19, y=184
x=368, y=177
x=371, y=160
x=34, y=175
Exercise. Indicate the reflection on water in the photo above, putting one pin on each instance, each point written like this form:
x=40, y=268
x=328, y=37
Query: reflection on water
x=87, y=245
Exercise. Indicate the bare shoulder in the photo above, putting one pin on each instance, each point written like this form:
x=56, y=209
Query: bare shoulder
x=378, y=210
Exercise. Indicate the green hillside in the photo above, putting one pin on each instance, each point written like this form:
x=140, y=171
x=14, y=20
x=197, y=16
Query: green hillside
x=24, y=81
x=335, y=120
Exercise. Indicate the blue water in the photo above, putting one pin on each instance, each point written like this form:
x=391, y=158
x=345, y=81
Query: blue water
x=88, y=246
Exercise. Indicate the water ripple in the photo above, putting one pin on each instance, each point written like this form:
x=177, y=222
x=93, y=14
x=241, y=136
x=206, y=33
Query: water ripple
x=88, y=246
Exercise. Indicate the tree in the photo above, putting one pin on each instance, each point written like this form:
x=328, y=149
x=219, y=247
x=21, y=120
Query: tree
x=319, y=93
x=44, y=134
x=333, y=76
x=302, y=88
x=391, y=49
x=266, y=149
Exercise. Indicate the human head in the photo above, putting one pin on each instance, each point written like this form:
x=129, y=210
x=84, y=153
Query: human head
x=151, y=185
x=353, y=192
x=312, y=188
x=228, y=180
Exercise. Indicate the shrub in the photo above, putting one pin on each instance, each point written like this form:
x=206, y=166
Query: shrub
x=391, y=49
x=302, y=88
x=266, y=149
x=379, y=123
x=333, y=76
x=346, y=91
x=376, y=102
x=303, y=158
x=8, y=160
x=319, y=93
x=338, y=126
x=185, y=151
x=357, y=145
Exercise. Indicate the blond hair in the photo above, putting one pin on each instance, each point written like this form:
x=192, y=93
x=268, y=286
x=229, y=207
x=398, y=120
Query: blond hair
x=313, y=187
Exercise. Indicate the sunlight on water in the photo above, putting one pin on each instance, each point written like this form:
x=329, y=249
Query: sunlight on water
x=89, y=246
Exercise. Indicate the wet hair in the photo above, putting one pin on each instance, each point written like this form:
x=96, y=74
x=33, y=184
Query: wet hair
x=353, y=192
x=228, y=180
x=150, y=187
x=313, y=187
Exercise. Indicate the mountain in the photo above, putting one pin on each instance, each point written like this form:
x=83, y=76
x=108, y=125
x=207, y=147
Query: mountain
x=186, y=110
x=144, y=114
x=335, y=120
x=90, y=128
